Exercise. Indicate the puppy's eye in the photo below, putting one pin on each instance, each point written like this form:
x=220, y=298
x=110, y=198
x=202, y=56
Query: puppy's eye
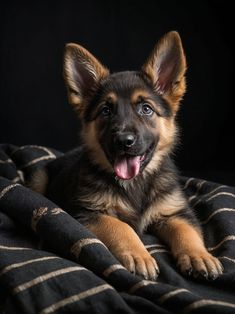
x=145, y=109
x=105, y=111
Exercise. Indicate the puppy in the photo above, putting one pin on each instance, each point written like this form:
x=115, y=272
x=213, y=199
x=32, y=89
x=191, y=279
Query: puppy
x=121, y=181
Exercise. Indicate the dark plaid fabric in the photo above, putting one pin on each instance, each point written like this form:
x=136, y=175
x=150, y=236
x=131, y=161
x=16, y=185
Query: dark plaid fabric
x=51, y=263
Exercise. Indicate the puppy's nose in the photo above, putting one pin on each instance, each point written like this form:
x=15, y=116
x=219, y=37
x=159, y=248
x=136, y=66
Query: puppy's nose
x=127, y=140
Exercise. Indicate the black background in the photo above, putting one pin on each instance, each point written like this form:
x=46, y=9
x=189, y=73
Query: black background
x=34, y=109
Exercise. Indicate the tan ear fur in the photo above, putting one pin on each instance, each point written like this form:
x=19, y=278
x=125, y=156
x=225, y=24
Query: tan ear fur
x=166, y=68
x=82, y=74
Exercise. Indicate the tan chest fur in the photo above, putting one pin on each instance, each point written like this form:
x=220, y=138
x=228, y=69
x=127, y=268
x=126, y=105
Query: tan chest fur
x=115, y=206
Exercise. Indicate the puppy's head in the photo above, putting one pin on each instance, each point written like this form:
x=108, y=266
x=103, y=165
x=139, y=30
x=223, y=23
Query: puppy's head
x=127, y=117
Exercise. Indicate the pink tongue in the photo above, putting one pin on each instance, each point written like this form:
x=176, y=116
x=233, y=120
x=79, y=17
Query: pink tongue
x=127, y=167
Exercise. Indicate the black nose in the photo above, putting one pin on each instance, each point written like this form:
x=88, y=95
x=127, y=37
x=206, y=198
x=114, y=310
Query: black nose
x=127, y=139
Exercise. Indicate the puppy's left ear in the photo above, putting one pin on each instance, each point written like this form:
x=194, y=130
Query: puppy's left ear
x=166, y=68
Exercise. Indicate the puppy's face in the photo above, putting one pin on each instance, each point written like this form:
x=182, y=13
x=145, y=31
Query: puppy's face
x=125, y=114
x=127, y=117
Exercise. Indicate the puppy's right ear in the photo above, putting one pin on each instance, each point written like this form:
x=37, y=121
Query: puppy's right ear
x=82, y=73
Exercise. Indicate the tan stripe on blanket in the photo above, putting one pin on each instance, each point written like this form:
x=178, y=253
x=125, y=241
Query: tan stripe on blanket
x=45, y=277
x=75, y=298
x=170, y=294
x=77, y=246
x=140, y=284
x=14, y=248
x=198, y=304
x=17, y=265
x=220, y=210
x=7, y=189
x=228, y=238
x=112, y=268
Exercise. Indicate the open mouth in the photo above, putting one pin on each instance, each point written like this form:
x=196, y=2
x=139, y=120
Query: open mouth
x=127, y=166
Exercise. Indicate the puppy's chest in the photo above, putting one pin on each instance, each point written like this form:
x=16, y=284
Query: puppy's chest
x=129, y=205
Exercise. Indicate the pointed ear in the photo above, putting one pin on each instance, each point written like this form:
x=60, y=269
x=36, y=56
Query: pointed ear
x=166, y=67
x=82, y=73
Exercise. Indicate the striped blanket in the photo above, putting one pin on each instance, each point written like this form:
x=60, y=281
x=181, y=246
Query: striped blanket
x=49, y=263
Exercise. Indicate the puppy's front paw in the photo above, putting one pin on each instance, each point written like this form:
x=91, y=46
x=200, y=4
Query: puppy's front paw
x=140, y=262
x=200, y=264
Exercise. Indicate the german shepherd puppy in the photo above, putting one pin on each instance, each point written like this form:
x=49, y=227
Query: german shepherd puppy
x=121, y=181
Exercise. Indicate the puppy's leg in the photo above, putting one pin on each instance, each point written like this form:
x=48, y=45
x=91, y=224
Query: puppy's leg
x=125, y=244
x=186, y=243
